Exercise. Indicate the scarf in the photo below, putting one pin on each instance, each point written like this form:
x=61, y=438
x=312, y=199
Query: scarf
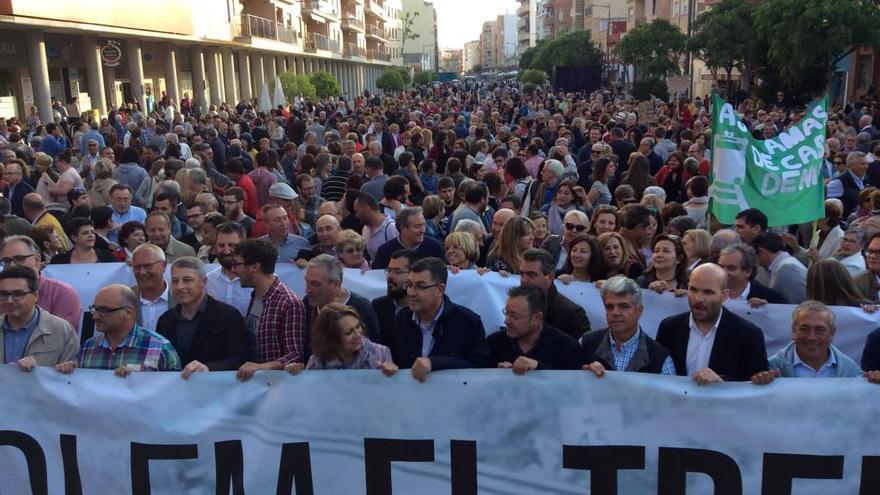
x=555, y=218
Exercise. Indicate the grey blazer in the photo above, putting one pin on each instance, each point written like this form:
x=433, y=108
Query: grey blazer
x=52, y=342
x=790, y=279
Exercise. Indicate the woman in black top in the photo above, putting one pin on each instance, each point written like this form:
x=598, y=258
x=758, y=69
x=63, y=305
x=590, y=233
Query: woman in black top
x=82, y=232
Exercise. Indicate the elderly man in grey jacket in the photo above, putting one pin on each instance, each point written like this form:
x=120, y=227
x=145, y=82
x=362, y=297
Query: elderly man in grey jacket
x=31, y=336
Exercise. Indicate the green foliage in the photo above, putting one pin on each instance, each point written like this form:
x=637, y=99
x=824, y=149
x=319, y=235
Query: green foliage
x=424, y=77
x=409, y=33
x=390, y=81
x=477, y=69
x=654, y=49
x=528, y=56
x=805, y=38
x=567, y=49
x=404, y=75
x=533, y=76
x=529, y=88
x=725, y=37
x=644, y=88
x=325, y=84
x=296, y=84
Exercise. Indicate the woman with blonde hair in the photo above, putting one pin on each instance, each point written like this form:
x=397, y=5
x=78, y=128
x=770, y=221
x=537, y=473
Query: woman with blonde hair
x=618, y=260
x=605, y=219
x=697, y=244
x=99, y=195
x=350, y=248
x=338, y=343
x=506, y=253
x=462, y=251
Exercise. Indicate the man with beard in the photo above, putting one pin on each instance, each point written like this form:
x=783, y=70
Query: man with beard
x=233, y=200
x=223, y=285
x=387, y=306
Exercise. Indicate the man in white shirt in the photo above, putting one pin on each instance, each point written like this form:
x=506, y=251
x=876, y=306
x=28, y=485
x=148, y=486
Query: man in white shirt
x=788, y=276
x=154, y=298
x=849, y=254
x=223, y=284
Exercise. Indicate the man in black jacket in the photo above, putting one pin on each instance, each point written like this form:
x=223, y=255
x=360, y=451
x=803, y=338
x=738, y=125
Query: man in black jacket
x=538, y=269
x=741, y=264
x=709, y=343
x=208, y=335
x=434, y=333
x=527, y=342
x=396, y=276
x=623, y=346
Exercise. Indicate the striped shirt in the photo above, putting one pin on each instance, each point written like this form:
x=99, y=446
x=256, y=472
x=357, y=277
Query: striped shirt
x=142, y=350
x=281, y=328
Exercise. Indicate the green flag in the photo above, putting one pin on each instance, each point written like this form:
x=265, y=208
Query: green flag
x=781, y=176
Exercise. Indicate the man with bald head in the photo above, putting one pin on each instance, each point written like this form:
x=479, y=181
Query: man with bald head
x=326, y=232
x=36, y=213
x=122, y=345
x=709, y=343
x=498, y=220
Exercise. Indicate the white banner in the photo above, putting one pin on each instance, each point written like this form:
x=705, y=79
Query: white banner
x=462, y=432
x=486, y=295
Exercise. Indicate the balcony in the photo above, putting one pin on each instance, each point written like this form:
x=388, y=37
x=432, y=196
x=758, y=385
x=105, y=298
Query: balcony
x=320, y=8
x=318, y=41
x=353, y=50
x=375, y=9
x=379, y=55
x=250, y=26
x=377, y=33
x=350, y=21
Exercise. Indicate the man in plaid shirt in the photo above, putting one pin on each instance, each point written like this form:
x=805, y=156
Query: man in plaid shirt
x=123, y=345
x=276, y=317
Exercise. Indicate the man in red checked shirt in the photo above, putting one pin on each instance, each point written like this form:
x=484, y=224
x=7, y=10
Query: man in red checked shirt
x=276, y=317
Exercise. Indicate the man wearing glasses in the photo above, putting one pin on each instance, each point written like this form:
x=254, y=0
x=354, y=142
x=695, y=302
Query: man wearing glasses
x=54, y=296
x=153, y=294
x=869, y=281
x=388, y=306
x=16, y=188
x=233, y=203
x=574, y=223
x=31, y=336
x=433, y=333
x=123, y=345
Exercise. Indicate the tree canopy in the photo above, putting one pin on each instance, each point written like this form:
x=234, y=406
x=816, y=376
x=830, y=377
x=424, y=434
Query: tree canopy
x=325, y=84
x=424, y=77
x=533, y=76
x=725, y=37
x=654, y=48
x=566, y=49
x=390, y=81
x=296, y=84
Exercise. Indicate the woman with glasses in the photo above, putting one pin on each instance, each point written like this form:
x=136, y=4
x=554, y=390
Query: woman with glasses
x=584, y=261
x=131, y=235
x=82, y=232
x=506, y=253
x=462, y=251
x=668, y=273
x=338, y=343
x=350, y=248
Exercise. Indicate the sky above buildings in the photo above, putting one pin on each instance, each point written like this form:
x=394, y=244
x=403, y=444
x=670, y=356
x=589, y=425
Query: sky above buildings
x=460, y=21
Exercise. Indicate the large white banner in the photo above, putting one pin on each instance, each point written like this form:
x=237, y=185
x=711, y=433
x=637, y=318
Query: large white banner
x=486, y=295
x=462, y=432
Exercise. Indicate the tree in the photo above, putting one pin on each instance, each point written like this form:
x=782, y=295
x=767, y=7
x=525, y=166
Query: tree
x=528, y=56
x=533, y=76
x=806, y=38
x=725, y=37
x=296, y=84
x=476, y=69
x=409, y=33
x=424, y=77
x=567, y=49
x=325, y=84
x=390, y=81
x=654, y=49
x=404, y=75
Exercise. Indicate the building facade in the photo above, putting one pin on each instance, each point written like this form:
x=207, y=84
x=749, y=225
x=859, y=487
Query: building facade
x=470, y=56
x=424, y=48
x=451, y=61
x=526, y=26
x=212, y=50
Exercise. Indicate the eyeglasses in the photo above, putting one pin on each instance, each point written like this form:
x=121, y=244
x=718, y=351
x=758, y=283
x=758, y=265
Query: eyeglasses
x=513, y=316
x=872, y=252
x=575, y=227
x=103, y=310
x=396, y=271
x=595, y=152
x=16, y=295
x=16, y=260
x=145, y=266
x=418, y=288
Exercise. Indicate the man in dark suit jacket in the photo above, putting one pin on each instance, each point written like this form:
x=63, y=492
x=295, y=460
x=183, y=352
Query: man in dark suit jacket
x=867, y=281
x=386, y=307
x=208, y=335
x=433, y=333
x=710, y=343
x=538, y=269
x=16, y=189
x=741, y=264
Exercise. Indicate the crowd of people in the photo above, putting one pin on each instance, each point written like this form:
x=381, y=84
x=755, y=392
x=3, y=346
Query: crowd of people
x=432, y=181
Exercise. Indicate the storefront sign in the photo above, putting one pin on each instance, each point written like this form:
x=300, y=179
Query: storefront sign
x=111, y=54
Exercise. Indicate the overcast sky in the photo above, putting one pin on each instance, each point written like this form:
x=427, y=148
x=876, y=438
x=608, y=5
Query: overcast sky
x=460, y=21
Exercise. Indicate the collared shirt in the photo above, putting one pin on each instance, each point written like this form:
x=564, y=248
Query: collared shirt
x=628, y=350
x=292, y=246
x=782, y=256
x=744, y=296
x=186, y=328
x=229, y=290
x=152, y=310
x=134, y=214
x=804, y=370
x=142, y=350
x=834, y=188
x=428, y=330
x=15, y=340
x=699, y=348
x=310, y=209
x=281, y=328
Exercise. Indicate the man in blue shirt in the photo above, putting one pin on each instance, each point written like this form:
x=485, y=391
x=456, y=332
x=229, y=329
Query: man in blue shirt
x=54, y=142
x=288, y=245
x=123, y=210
